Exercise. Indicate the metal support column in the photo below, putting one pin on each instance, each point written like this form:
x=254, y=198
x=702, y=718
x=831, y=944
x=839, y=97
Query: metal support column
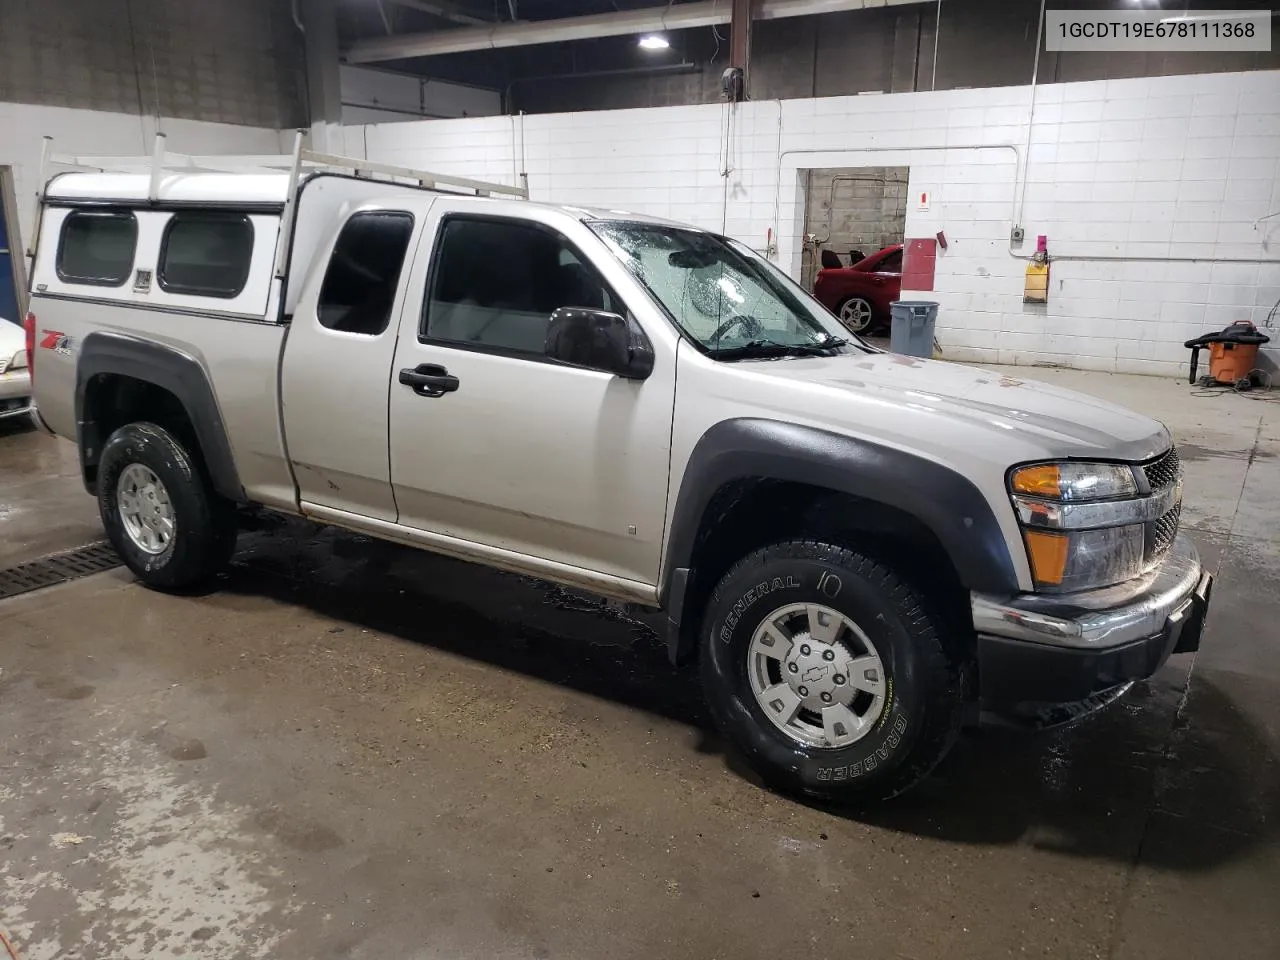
x=324, y=89
x=740, y=42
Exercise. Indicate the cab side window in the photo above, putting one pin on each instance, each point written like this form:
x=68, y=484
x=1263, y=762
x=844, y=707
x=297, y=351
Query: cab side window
x=364, y=271
x=97, y=247
x=495, y=283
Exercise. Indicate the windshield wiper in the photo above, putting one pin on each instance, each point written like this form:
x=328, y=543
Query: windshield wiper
x=760, y=347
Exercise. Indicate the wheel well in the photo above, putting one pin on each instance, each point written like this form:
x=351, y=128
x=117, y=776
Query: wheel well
x=113, y=400
x=744, y=515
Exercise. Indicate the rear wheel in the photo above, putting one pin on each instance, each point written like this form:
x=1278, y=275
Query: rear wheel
x=828, y=670
x=160, y=513
x=856, y=314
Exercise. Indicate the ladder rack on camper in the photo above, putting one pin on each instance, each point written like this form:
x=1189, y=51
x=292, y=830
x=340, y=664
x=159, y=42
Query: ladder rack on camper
x=300, y=161
x=296, y=164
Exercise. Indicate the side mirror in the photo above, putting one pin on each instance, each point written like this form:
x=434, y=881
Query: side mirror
x=599, y=340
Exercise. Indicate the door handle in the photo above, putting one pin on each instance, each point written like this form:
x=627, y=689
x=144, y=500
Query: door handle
x=429, y=380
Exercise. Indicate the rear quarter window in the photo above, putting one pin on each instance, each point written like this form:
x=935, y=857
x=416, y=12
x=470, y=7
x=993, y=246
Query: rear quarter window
x=364, y=272
x=97, y=247
x=206, y=253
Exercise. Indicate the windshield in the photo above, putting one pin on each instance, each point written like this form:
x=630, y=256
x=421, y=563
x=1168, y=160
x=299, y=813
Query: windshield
x=731, y=301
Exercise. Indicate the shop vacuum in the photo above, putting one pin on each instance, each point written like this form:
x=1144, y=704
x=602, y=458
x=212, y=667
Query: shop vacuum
x=1233, y=355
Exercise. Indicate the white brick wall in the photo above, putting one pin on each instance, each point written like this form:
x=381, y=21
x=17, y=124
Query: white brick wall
x=1158, y=168
x=96, y=132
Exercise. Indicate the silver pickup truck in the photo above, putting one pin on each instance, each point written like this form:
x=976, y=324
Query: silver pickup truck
x=852, y=545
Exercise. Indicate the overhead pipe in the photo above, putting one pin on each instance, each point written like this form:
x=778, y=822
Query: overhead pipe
x=684, y=16
x=444, y=10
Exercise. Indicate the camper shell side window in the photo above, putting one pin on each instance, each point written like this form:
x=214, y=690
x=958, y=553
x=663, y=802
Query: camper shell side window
x=97, y=247
x=206, y=253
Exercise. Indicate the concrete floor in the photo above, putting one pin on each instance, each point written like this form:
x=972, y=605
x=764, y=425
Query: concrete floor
x=348, y=750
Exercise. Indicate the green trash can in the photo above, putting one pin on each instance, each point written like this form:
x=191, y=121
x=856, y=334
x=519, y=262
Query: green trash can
x=911, y=330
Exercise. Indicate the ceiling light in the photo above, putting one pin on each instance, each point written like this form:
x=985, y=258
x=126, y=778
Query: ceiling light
x=654, y=41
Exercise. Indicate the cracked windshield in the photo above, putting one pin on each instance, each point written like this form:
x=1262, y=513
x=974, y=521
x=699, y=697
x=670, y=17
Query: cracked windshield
x=731, y=301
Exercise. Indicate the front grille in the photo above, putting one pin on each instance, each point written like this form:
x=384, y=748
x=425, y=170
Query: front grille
x=1161, y=533
x=1162, y=473
x=1164, y=470
x=4, y=363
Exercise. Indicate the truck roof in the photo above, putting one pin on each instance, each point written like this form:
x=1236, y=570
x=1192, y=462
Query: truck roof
x=248, y=189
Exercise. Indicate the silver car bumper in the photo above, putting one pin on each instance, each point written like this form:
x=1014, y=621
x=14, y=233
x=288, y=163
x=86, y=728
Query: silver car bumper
x=1042, y=647
x=15, y=393
x=1096, y=619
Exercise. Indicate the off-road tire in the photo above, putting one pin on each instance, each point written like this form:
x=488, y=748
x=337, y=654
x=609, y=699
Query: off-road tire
x=204, y=522
x=926, y=685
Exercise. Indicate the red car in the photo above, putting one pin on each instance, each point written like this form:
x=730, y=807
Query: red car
x=860, y=295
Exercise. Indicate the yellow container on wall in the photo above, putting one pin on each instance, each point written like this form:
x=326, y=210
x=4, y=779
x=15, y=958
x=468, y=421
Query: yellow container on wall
x=1036, y=289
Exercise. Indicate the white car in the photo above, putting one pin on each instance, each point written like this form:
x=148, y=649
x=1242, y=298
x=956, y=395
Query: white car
x=15, y=378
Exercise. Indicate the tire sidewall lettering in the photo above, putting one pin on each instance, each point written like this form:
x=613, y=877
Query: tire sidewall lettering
x=740, y=606
x=860, y=768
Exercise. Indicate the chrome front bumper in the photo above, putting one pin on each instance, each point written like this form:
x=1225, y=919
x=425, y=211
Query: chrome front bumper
x=1096, y=619
x=1058, y=648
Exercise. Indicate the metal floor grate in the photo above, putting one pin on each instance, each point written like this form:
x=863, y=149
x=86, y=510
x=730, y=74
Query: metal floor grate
x=59, y=568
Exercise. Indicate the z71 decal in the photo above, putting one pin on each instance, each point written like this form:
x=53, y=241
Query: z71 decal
x=57, y=342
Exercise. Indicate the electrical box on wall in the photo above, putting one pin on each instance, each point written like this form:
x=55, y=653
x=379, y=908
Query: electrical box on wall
x=733, y=85
x=1017, y=235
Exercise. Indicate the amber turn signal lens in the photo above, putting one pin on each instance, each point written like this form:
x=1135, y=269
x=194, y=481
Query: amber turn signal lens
x=1048, y=553
x=1038, y=481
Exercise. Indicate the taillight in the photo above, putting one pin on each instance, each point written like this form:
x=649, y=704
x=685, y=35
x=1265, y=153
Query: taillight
x=29, y=328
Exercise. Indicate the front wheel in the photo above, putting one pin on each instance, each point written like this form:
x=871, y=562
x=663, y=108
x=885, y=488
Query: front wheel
x=828, y=670
x=160, y=513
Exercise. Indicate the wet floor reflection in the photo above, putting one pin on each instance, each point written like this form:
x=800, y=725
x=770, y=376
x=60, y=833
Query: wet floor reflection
x=1086, y=790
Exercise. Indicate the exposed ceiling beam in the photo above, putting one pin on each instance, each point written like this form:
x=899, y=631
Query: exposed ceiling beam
x=493, y=36
x=439, y=8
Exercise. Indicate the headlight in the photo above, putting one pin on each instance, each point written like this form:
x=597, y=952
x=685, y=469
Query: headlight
x=1084, y=524
x=1075, y=481
x=19, y=361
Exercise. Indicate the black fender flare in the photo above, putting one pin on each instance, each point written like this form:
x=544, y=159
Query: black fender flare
x=170, y=369
x=943, y=500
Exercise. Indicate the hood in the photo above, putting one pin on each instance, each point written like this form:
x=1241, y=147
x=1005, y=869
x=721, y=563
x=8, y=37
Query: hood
x=12, y=338
x=1059, y=422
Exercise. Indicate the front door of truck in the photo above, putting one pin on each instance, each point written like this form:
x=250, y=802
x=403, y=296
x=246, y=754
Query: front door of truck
x=336, y=369
x=565, y=466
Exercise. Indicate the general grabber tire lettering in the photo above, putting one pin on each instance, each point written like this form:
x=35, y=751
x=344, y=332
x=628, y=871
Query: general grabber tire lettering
x=806, y=644
x=160, y=511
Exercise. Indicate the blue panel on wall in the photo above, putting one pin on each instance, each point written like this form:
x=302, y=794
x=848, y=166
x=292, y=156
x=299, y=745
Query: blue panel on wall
x=8, y=296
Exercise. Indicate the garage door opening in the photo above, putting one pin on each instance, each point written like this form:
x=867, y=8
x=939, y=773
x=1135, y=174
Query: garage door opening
x=855, y=216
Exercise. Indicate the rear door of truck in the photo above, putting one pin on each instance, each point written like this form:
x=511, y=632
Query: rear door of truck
x=336, y=371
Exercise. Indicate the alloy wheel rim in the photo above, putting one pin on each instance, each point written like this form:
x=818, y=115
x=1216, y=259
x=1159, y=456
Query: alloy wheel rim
x=816, y=675
x=856, y=314
x=146, y=512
